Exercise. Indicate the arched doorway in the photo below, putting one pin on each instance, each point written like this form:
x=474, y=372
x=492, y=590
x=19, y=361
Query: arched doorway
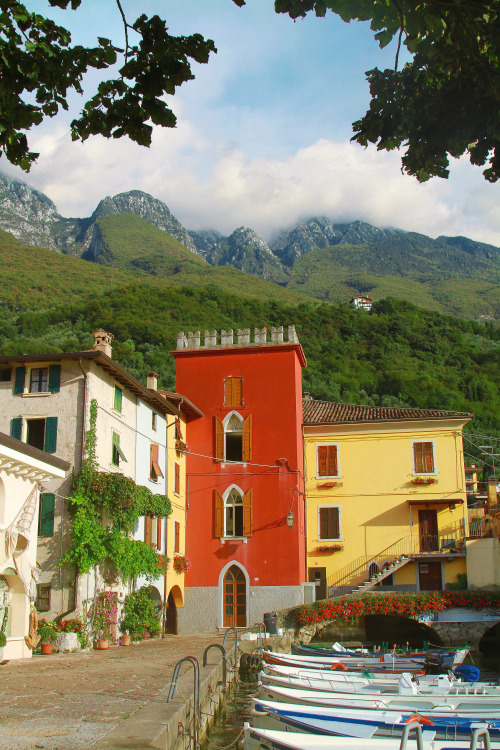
x=235, y=598
x=171, y=615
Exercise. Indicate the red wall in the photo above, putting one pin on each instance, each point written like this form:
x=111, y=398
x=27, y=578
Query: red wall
x=272, y=394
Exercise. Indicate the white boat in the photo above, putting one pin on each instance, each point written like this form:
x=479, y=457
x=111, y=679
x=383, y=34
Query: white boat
x=391, y=662
x=449, y=697
x=356, y=722
x=331, y=680
x=408, y=706
x=262, y=739
x=406, y=685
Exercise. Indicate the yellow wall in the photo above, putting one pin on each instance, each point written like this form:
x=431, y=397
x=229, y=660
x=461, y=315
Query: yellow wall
x=175, y=580
x=375, y=484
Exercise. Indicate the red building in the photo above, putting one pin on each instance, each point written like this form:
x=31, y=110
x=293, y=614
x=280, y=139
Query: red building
x=245, y=532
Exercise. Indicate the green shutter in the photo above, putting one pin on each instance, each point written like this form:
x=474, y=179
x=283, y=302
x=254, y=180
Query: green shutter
x=54, y=378
x=118, y=399
x=16, y=427
x=47, y=507
x=20, y=378
x=50, y=435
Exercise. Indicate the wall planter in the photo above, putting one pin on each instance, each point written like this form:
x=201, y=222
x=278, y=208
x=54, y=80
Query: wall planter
x=328, y=549
x=424, y=480
x=46, y=648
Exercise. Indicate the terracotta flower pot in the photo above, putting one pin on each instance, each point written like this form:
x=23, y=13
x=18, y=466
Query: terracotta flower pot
x=125, y=641
x=102, y=644
x=46, y=648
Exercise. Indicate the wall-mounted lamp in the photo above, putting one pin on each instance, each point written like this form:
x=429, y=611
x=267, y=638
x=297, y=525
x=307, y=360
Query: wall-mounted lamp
x=290, y=517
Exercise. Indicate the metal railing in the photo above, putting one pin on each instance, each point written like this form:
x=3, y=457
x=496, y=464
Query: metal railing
x=448, y=539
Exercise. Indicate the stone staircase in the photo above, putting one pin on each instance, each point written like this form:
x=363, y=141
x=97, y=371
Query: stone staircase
x=389, y=569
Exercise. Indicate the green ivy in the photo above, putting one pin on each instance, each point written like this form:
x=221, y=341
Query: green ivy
x=106, y=508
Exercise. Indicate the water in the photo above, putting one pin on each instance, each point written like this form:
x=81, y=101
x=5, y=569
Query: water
x=227, y=728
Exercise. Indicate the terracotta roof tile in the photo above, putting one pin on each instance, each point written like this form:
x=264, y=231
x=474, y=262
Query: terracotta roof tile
x=328, y=412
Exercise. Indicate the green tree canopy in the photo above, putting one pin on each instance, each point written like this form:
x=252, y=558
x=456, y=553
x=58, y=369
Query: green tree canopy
x=39, y=68
x=447, y=100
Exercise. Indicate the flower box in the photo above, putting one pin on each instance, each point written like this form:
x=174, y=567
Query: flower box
x=424, y=480
x=181, y=446
x=326, y=549
x=181, y=564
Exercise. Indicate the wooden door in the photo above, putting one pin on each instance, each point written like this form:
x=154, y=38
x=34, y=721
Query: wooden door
x=428, y=530
x=235, y=598
x=318, y=576
x=429, y=576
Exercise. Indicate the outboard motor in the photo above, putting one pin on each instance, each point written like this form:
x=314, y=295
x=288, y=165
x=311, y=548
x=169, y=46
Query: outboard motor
x=438, y=661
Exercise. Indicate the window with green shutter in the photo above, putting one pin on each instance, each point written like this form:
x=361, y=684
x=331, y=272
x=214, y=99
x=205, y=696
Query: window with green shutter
x=118, y=399
x=19, y=380
x=47, y=511
x=50, y=435
x=117, y=454
x=54, y=378
x=16, y=427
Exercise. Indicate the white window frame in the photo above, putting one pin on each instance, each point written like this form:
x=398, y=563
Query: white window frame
x=225, y=496
x=424, y=473
x=27, y=386
x=338, y=475
x=225, y=423
x=329, y=539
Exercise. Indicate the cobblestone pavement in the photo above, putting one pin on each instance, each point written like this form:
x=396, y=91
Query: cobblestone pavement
x=70, y=701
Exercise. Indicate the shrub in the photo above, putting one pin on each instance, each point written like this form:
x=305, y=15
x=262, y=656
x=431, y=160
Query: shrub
x=140, y=614
x=3, y=639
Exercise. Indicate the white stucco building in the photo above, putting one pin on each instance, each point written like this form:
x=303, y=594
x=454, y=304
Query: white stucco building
x=44, y=403
x=22, y=470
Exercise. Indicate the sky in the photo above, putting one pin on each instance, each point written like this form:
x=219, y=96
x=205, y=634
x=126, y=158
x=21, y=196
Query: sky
x=263, y=132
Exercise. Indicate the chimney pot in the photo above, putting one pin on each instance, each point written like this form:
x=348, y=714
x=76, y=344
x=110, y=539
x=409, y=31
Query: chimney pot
x=102, y=341
x=152, y=381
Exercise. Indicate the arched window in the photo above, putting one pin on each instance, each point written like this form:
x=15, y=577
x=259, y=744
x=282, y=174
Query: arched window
x=233, y=513
x=233, y=438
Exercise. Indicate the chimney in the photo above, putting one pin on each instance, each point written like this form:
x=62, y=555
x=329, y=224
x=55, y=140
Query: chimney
x=102, y=341
x=152, y=381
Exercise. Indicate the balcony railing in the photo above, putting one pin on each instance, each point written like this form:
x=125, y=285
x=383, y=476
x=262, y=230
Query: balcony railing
x=448, y=539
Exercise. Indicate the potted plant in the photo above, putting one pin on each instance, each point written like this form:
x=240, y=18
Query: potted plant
x=181, y=564
x=3, y=642
x=181, y=446
x=125, y=639
x=103, y=615
x=48, y=635
x=139, y=615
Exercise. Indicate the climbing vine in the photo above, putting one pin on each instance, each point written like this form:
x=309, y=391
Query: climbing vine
x=106, y=508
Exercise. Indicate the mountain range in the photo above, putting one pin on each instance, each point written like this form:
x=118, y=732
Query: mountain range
x=319, y=258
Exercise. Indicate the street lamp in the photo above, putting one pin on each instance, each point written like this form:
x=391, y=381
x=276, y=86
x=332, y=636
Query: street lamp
x=290, y=517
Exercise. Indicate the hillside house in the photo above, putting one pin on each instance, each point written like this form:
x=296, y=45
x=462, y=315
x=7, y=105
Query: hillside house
x=361, y=302
x=386, y=497
x=45, y=401
x=245, y=530
x=22, y=470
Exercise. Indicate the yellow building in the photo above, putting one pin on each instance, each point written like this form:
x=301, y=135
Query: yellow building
x=385, y=497
x=177, y=492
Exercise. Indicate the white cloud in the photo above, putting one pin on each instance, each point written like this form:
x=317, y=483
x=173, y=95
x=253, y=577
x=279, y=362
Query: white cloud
x=212, y=184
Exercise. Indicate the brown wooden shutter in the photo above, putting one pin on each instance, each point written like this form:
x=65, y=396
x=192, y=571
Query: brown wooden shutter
x=322, y=460
x=177, y=479
x=428, y=458
x=158, y=533
x=329, y=523
x=147, y=529
x=219, y=514
x=177, y=536
x=332, y=461
x=155, y=471
x=233, y=391
x=219, y=439
x=178, y=431
x=327, y=461
x=423, y=458
x=247, y=439
x=247, y=513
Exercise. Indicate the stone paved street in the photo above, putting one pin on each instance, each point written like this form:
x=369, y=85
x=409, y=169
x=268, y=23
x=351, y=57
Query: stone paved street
x=71, y=701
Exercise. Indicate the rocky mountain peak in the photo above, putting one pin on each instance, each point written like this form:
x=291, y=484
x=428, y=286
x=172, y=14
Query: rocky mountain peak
x=26, y=213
